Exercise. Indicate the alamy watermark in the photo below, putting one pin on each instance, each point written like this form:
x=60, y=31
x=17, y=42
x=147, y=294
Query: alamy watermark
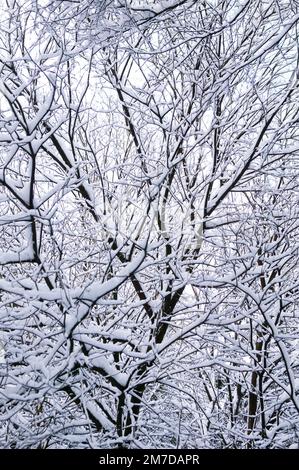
x=2, y=353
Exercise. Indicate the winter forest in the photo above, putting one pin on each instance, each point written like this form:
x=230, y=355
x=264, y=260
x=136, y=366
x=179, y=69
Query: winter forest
x=149, y=219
